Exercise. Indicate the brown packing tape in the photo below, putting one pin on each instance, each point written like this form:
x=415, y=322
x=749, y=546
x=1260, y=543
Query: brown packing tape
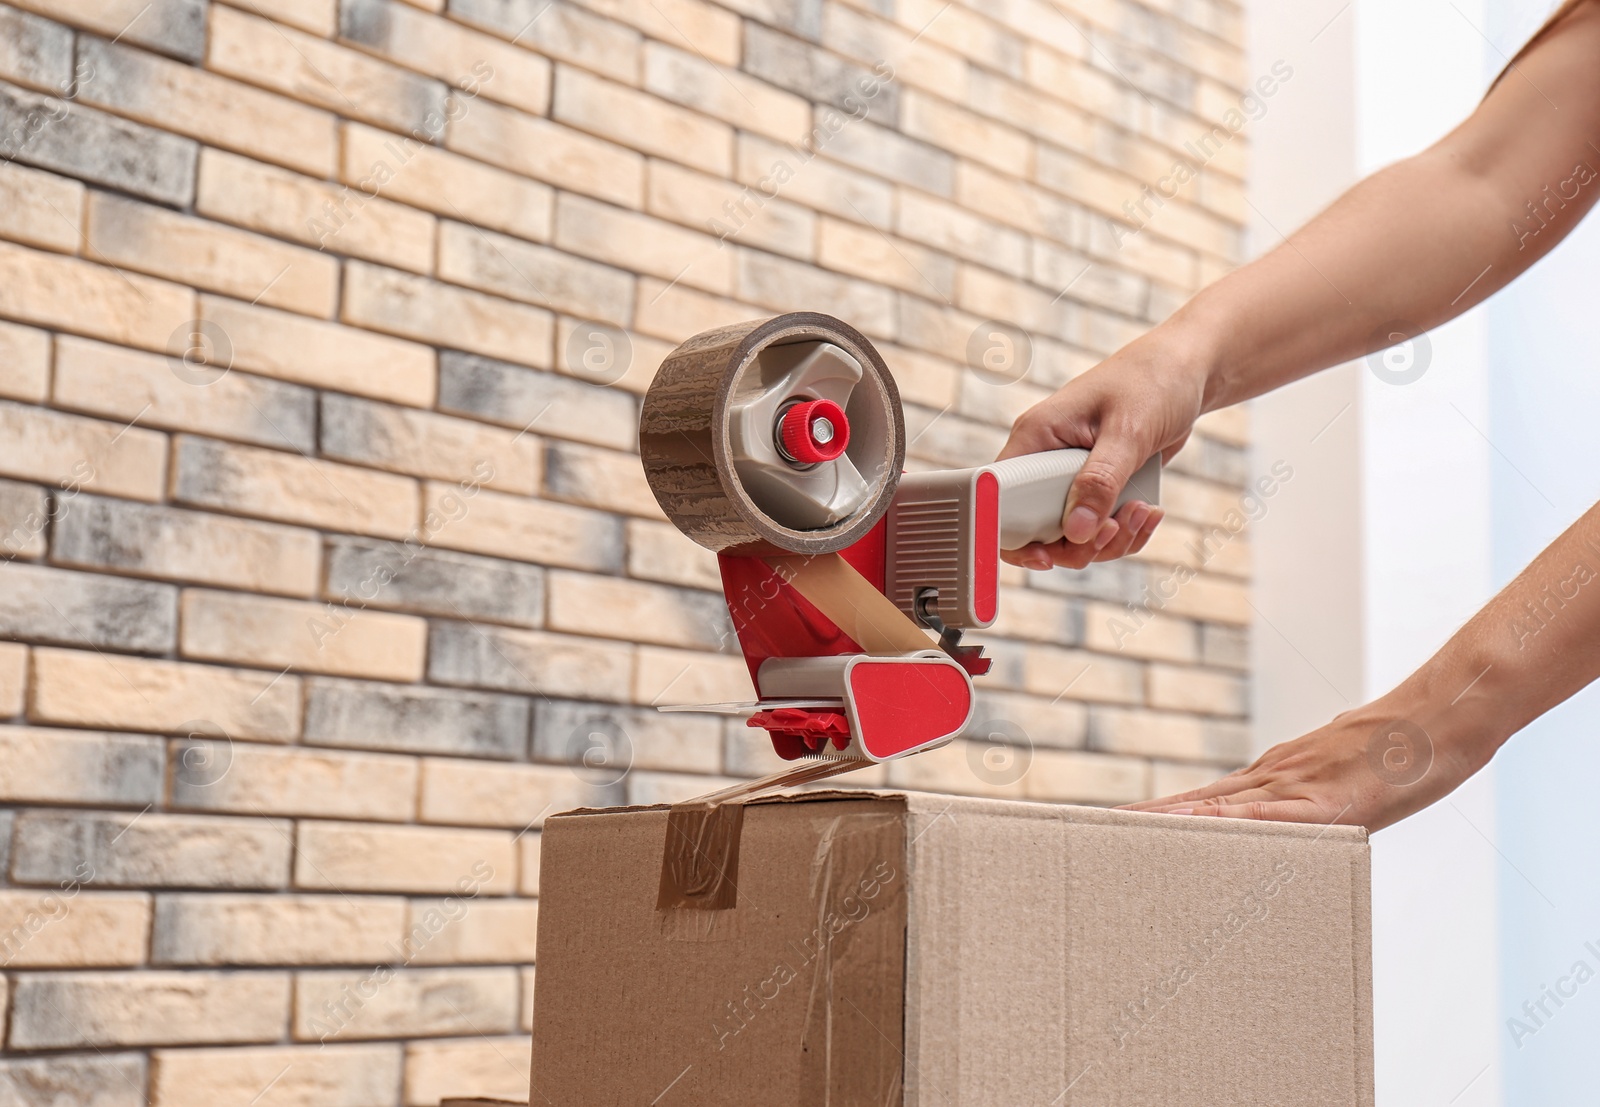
x=850, y=601
x=700, y=859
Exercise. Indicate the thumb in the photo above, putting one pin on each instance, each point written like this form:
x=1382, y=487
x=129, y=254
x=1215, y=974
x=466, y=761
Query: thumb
x=1113, y=459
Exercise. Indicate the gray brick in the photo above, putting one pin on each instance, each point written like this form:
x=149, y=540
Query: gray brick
x=1119, y=581
x=151, y=850
x=192, y=546
x=51, y=1010
x=81, y=142
x=414, y=1003
x=801, y=17
x=378, y=716
x=559, y=30
x=47, y=765
x=35, y=51
x=528, y=661
x=435, y=582
x=546, y=403
x=23, y=515
x=816, y=74
x=1227, y=647
x=38, y=604
x=614, y=739
x=865, y=145
x=89, y=1080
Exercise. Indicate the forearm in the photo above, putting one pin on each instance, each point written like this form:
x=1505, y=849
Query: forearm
x=1415, y=244
x=1530, y=648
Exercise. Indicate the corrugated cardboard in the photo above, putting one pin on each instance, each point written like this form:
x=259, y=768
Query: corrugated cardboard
x=891, y=949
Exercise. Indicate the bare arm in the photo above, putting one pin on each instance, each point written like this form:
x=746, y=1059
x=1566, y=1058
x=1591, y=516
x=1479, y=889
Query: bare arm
x=1530, y=648
x=1408, y=248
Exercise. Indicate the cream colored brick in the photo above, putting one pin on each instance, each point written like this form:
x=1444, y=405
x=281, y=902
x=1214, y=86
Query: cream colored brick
x=526, y=1021
x=294, y=1076
x=1198, y=690
x=170, y=27
x=1210, y=598
x=481, y=1068
x=24, y=362
x=1019, y=204
x=970, y=34
x=275, y=485
x=235, y=929
x=124, y=385
x=1165, y=734
x=942, y=124
x=214, y=109
x=318, y=72
x=320, y=17
x=306, y=351
x=1068, y=777
x=73, y=928
x=743, y=213
x=13, y=678
x=647, y=355
x=72, y=451
x=784, y=285
x=772, y=168
x=674, y=313
x=466, y=792
x=917, y=61
x=40, y=209
x=733, y=97
x=250, y=779
x=961, y=768
x=659, y=551
x=533, y=274
x=1230, y=424
x=318, y=638
x=600, y=478
x=80, y=688
x=474, y=931
x=868, y=252
x=549, y=152
x=1027, y=614
x=213, y=256
x=426, y=444
x=85, y=298
x=646, y=245
x=356, y=857
x=1169, y=778
x=1079, y=675
x=412, y=307
x=341, y=220
x=454, y=53
x=650, y=789
x=1044, y=117
x=944, y=226
x=709, y=29
x=610, y=607
x=530, y=846
x=521, y=528
x=404, y=1003
x=641, y=122
x=380, y=164
x=1110, y=628
x=667, y=676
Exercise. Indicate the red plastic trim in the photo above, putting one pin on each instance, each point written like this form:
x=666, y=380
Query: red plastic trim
x=798, y=431
x=986, y=548
x=902, y=706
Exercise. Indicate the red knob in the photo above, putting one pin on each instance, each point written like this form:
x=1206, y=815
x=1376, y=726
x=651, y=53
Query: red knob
x=814, y=431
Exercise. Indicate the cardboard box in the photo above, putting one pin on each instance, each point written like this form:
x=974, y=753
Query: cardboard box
x=888, y=949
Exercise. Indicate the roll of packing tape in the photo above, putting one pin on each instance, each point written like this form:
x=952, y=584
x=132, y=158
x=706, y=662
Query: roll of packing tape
x=714, y=424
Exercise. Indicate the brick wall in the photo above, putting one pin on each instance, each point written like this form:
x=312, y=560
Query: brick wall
x=330, y=567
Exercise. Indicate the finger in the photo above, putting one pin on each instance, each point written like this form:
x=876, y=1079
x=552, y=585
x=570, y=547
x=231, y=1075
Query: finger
x=1270, y=811
x=1035, y=555
x=1149, y=528
x=1231, y=784
x=1059, y=552
x=1110, y=463
x=1128, y=519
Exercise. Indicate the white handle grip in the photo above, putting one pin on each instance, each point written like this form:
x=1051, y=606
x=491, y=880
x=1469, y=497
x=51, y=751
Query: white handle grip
x=1033, y=493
